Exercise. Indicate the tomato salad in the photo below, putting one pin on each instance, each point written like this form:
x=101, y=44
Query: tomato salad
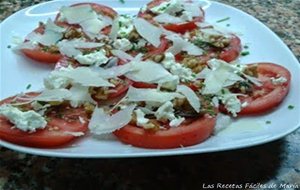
x=158, y=80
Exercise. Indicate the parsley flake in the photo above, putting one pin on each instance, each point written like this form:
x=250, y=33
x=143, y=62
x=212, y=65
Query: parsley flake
x=222, y=20
x=268, y=122
x=122, y=1
x=28, y=86
x=245, y=53
x=290, y=107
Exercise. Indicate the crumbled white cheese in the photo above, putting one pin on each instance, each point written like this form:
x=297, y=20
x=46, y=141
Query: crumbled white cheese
x=141, y=43
x=125, y=26
x=140, y=118
x=176, y=122
x=166, y=111
x=55, y=81
x=96, y=58
x=122, y=44
x=231, y=102
x=172, y=7
x=278, y=81
x=25, y=121
x=185, y=74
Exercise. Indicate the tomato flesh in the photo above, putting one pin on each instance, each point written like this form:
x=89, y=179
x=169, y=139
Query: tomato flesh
x=233, y=51
x=270, y=95
x=181, y=28
x=46, y=138
x=184, y=135
x=42, y=56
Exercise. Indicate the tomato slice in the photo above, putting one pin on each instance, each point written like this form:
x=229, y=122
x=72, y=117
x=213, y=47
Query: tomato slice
x=120, y=89
x=164, y=44
x=143, y=85
x=42, y=56
x=100, y=9
x=187, y=134
x=181, y=28
x=56, y=133
x=233, y=50
x=39, y=54
x=155, y=3
x=267, y=96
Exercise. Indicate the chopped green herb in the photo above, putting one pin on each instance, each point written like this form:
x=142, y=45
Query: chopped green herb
x=268, y=122
x=244, y=53
x=227, y=25
x=9, y=46
x=28, y=86
x=143, y=50
x=224, y=19
x=223, y=91
x=122, y=1
x=246, y=47
x=194, y=75
x=290, y=107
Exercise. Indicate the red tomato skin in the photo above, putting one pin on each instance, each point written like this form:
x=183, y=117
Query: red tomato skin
x=42, y=56
x=42, y=138
x=181, y=28
x=181, y=136
x=160, y=49
x=143, y=85
x=233, y=51
x=120, y=89
x=275, y=97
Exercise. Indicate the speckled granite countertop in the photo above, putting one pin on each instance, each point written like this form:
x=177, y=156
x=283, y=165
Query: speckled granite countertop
x=265, y=166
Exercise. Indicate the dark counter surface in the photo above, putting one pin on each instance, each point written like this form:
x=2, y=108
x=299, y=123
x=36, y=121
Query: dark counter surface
x=272, y=164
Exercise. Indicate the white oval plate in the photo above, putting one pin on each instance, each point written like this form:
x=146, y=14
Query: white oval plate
x=17, y=72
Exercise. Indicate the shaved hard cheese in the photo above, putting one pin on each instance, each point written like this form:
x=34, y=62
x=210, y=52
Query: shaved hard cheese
x=50, y=25
x=166, y=18
x=93, y=27
x=102, y=123
x=71, y=48
x=114, y=29
x=80, y=95
x=53, y=95
x=220, y=75
x=122, y=55
x=179, y=44
x=84, y=76
x=78, y=14
x=147, y=71
x=152, y=95
x=113, y=72
x=51, y=35
x=193, y=9
x=190, y=95
x=48, y=38
x=148, y=31
x=254, y=80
